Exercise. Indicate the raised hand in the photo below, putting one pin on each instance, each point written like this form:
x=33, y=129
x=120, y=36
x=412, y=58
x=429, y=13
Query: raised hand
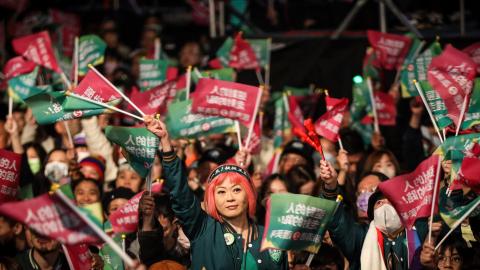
x=328, y=174
x=157, y=127
x=146, y=207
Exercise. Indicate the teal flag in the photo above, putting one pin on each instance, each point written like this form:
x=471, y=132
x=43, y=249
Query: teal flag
x=181, y=123
x=152, y=73
x=140, y=146
x=110, y=258
x=281, y=123
x=296, y=222
x=436, y=104
x=450, y=211
x=91, y=50
x=262, y=48
x=472, y=116
x=48, y=109
x=223, y=53
x=23, y=86
x=360, y=102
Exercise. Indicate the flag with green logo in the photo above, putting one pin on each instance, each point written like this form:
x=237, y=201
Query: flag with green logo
x=139, y=144
x=436, y=104
x=181, y=123
x=296, y=222
x=417, y=69
x=152, y=73
x=91, y=50
x=110, y=258
x=405, y=76
x=281, y=124
x=262, y=48
x=48, y=109
x=472, y=116
x=450, y=211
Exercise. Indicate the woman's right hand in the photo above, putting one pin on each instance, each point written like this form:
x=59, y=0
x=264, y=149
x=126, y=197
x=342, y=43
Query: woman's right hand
x=328, y=175
x=147, y=207
x=157, y=127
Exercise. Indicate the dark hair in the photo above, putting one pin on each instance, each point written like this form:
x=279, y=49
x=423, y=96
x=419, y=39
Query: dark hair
x=382, y=177
x=298, y=176
x=352, y=141
x=163, y=206
x=455, y=242
x=268, y=181
x=41, y=153
x=97, y=183
x=326, y=255
x=375, y=156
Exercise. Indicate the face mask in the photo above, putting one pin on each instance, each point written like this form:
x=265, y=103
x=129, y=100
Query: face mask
x=386, y=219
x=81, y=155
x=34, y=164
x=56, y=170
x=389, y=172
x=362, y=200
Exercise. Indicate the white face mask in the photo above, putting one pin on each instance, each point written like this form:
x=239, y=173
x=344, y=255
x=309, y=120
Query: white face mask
x=388, y=171
x=386, y=219
x=56, y=170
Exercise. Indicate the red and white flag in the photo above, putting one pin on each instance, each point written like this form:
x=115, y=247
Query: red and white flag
x=328, y=125
x=391, y=49
x=469, y=173
x=256, y=139
x=17, y=66
x=49, y=216
x=10, y=168
x=474, y=52
x=295, y=114
x=386, y=110
x=412, y=194
x=242, y=55
x=94, y=87
x=38, y=49
x=78, y=256
x=451, y=74
x=227, y=99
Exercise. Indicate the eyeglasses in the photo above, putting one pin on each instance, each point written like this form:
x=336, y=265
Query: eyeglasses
x=455, y=259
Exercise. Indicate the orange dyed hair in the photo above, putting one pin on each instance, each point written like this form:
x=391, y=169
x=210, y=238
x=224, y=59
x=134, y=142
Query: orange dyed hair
x=237, y=179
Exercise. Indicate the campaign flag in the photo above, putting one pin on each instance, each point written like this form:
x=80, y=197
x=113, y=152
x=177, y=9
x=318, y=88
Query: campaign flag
x=472, y=115
x=140, y=146
x=91, y=50
x=469, y=173
x=328, y=125
x=49, y=216
x=451, y=74
x=281, y=125
x=110, y=258
x=386, y=110
x=182, y=123
x=47, y=108
x=474, y=52
x=299, y=92
x=416, y=69
x=262, y=48
x=223, y=53
x=227, y=99
x=391, y=49
x=411, y=194
x=153, y=72
x=295, y=114
x=361, y=99
x=296, y=222
x=10, y=168
x=17, y=66
x=224, y=74
x=67, y=27
x=78, y=256
x=371, y=66
x=93, y=87
x=255, y=145
x=23, y=86
x=242, y=55
x=450, y=211
x=200, y=12
x=38, y=49
x=436, y=104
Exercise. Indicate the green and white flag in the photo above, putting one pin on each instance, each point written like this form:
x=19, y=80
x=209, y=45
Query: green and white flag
x=450, y=212
x=223, y=53
x=296, y=222
x=262, y=48
x=140, y=146
x=360, y=102
x=91, y=50
x=152, y=73
x=181, y=123
x=224, y=74
x=472, y=116
x=436, y=104
x=23, y=86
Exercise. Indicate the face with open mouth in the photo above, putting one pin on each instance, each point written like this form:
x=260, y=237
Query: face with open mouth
x=43, y=244
x=230, y=199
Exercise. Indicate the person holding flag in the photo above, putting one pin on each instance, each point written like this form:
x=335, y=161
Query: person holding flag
x=223, y=236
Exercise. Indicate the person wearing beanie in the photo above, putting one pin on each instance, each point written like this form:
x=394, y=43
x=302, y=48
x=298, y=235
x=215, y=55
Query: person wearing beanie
x=224, y=235
x=116, y=199
x=295, y=153
x=93, y=167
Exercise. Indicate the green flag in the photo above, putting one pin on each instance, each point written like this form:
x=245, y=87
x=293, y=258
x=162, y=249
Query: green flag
x=368, y=68
x=281, y=123
x=294, y=91
x=23, y=86
x=224, y=74
x=417, y=69
x=183, y=124
x=262, y=48
x=436, y=104
x=360, y=101
x=47, y=108
x=472, y=116
x=110, y=258
x=223, y=53
x=139, y=144
x=91, y=50
x=296, y=222
x=152, y=73
x=451, y=212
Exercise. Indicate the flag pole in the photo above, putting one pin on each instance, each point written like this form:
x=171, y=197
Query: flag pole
x=116, y=89
x=435, y=184
x=104, y=105
x=374, y=107
x=462, y=114
x=10, y=106
x=239, y=135
x=267, y=66
x=259, y=76
x=255, y=112
x=96, y=229
x=76, y=59
x=69, y=134
x=189, y=81
x=211, y=9
x=429, y=110
x=65, y=80
x=158, y=51
x=457, y=223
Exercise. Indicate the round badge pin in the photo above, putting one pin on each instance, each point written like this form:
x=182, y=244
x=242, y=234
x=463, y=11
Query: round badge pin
x=229, y=238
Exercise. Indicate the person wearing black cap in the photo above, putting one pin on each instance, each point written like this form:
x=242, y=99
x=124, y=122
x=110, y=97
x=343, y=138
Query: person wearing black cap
x=116, y=199
x=380, y=245
x=295, y=153
x=209, y=160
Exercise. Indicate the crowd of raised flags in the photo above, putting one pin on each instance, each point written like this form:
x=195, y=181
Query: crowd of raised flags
x=199, y=103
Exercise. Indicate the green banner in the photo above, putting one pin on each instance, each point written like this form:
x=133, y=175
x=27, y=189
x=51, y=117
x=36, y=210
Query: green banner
x=296, y=222
x=152, y=73
x=139, y=144
x=472, y=117
x=436, y=104
x=183, y=124
x=91, y=50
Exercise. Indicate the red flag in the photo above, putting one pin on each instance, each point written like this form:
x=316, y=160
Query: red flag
x=411, y=194
x=94, y=87
x=474, y=52
x=386, y=110
x=49, y=216
x=172, y=73
x=470, y=173
x=255, y=140
x=78, y=256
x=329, y=124
x=391, y=49
x=295, y=114
x=451, y=74
x=242, y=55
x=38, y=49
x=215, y=63
x=200, y=12
x=10, y=167
x=68, y=28
x=227, y=99
x=17, y=66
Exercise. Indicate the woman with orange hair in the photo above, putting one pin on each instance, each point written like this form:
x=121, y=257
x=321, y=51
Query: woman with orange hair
x=225, y=236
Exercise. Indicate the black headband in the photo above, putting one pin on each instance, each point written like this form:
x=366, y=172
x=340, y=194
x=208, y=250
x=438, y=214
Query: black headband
x=227, y=168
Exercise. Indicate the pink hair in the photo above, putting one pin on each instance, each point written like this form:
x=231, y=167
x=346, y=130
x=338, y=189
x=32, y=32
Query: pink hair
x=237, y=179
